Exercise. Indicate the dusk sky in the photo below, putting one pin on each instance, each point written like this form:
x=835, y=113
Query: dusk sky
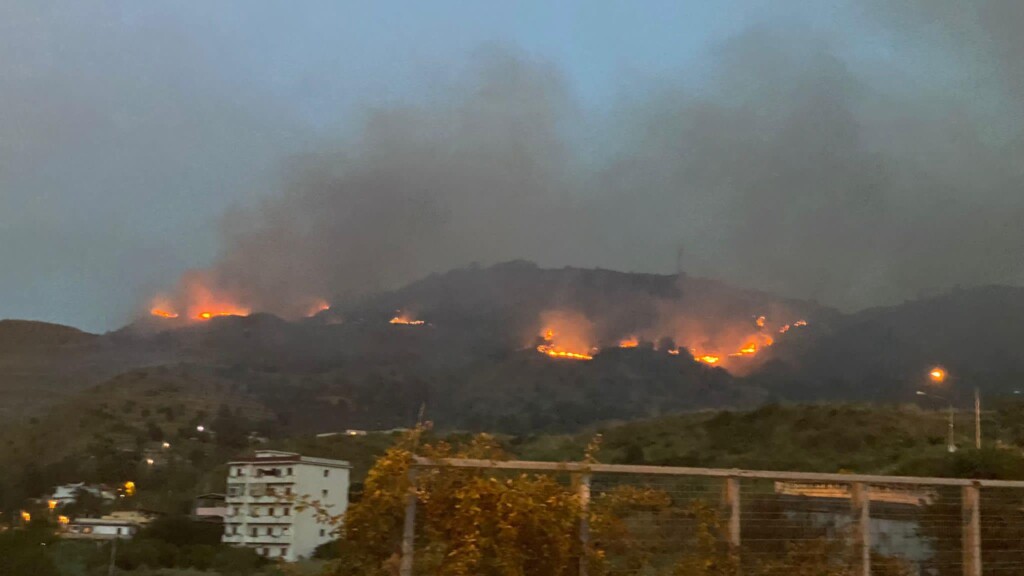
x=129, y=129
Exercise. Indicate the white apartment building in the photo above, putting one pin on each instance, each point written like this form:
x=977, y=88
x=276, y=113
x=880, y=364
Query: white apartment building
x=262, y=496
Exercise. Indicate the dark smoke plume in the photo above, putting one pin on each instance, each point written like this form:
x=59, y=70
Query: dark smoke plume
x=792, y=167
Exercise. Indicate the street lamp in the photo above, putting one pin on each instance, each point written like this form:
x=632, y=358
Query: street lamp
x=950, y=441
x=939, y=375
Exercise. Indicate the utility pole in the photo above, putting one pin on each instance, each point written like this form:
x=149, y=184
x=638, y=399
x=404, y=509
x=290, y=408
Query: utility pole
x=977, y=419
x=113, y=555
x=951, y=441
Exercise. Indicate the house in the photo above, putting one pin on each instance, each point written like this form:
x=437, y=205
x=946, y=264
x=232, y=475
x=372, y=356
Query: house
x=262, y=497
x=68, y=493
x=209, y=508
x=99, y=529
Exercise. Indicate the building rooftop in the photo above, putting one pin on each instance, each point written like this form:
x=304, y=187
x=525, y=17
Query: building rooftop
x=278, y=457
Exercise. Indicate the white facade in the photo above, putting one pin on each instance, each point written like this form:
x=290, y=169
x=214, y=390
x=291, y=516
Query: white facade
x=99, y=529
x=262, y=497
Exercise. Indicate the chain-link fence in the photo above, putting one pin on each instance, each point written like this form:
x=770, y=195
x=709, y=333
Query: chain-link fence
x=644, y=520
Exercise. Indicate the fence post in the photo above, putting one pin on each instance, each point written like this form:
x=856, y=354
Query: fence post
x=732, y=503
x=971, y=531
x=860, y=504
x=584, y=496
x=409, y=528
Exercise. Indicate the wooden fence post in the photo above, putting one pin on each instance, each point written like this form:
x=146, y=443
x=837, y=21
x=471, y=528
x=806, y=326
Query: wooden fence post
x=860, y=506
x=584, y=496
x=971, y=531
x=732, y=503
x=409, y=528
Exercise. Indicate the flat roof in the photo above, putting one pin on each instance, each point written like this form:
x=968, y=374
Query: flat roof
x=296, y=459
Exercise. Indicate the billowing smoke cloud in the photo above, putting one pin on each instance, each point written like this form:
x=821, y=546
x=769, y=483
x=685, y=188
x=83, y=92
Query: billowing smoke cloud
x=793, y=166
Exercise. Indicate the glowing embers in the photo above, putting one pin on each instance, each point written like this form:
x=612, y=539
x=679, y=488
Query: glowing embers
x=566, y=335
x=406, y=320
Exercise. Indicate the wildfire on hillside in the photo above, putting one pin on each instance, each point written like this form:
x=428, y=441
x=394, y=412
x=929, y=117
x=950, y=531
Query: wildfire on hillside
x=728, y=344
x=629, y=342
x=406, y=319
x=196, y=299
x=317, y=307
x=566, y=335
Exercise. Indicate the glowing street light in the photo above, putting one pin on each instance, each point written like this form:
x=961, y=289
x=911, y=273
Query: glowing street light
x=200, y=428
x=937, y=375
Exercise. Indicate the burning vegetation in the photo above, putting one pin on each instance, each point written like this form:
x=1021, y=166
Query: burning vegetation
x=566, y=335
x=731, y=345
x=630, y=342
x=197, y=299
x=406, y=320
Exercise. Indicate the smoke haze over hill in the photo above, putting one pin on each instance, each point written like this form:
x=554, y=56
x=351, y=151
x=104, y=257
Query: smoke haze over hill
x=854, y=155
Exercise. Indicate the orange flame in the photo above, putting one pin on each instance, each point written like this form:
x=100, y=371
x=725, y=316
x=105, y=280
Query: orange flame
x=674, y=351
x=760, y=321
x=196, y=298
x=406, y=320
x=784, y=329
x=631, y=342
x=799, y=323
x=708, y=359
x=566, y=334
x=317, y=307
x=555, y=353
x=163, y=313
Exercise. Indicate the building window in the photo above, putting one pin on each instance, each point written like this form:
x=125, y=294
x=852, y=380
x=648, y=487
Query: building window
x=264, y=551
x=323, y=493
x=287, y=511
x=253, y=532
x=288, y=490
x=270, y=531
x=322, y=532
x=327, y=473
x=289, y=471
x=284, y=551
x=270, y=512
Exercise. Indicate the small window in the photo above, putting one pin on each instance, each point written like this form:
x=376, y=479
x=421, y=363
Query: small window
x=287, y=511
x=327, y=473
x=284, y=551
x=270, y=531
x=289, y=471
x=322, y=532
x=253, y=532
x=323, y=493
x=270, y=511
x=264, y=551
x=288, y=490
